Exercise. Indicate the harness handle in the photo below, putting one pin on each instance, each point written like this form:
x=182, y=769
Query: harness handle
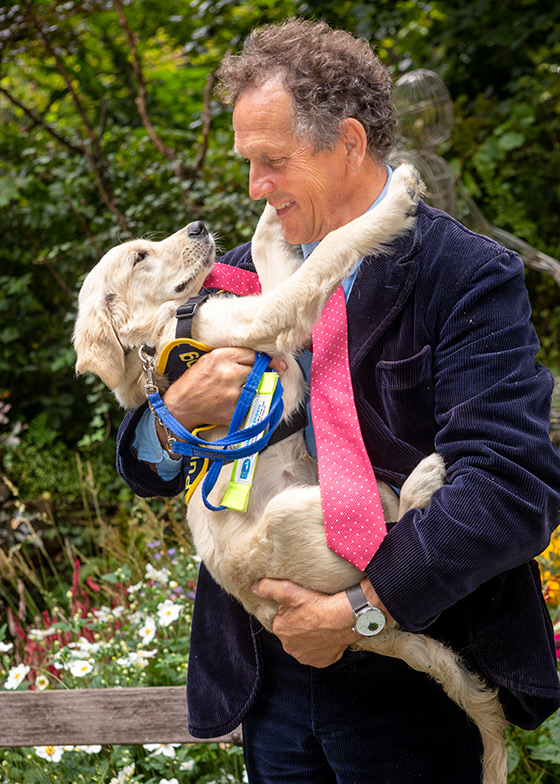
x=225, y=449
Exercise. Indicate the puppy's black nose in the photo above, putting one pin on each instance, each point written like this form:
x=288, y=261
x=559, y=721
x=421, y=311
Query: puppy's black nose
x=196, y=229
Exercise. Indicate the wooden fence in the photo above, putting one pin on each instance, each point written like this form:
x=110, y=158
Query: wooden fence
x=76, y=717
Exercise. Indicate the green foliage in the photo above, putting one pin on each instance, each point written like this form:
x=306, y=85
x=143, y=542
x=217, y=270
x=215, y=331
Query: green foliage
x=44, y=467
x=108, y=129
x=81, y=173
x=534, y=756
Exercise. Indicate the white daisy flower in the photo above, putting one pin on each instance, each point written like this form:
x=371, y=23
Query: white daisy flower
x=132, y=589
x=40, y=634
x=148, y=629
x=103, y=613
x=123, y=775
x=84, y=647
x=138, y=659
x=50, y=753
x=80, y=667
x=16, y=675
x=167, y=749
x=168, y=612
x=157, y=575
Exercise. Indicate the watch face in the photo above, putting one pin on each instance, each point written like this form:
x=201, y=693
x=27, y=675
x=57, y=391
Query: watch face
x=370, y=622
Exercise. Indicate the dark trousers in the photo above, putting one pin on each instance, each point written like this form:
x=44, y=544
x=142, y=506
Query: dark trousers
x=366, y=719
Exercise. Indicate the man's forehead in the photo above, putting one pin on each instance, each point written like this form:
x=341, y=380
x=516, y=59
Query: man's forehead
x=269, y=104
x=262, y=118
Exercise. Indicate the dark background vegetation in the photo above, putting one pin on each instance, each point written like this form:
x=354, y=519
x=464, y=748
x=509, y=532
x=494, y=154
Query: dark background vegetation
x=109, y=129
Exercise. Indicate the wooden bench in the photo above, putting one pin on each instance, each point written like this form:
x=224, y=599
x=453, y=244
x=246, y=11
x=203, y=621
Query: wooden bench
x=81, y=717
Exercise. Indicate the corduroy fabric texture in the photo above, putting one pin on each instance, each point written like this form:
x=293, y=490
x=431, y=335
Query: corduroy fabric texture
x=442, y=356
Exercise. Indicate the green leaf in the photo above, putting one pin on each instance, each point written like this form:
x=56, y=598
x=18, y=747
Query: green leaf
x=511, y=140
x=8, y=190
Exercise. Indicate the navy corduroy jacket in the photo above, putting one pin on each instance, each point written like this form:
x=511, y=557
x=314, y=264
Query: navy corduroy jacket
x=442, y=355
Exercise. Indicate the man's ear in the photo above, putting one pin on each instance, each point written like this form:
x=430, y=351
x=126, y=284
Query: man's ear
x=354, y=138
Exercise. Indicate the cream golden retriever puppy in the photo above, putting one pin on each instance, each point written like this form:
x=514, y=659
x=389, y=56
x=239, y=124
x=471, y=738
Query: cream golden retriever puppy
x=129, y=299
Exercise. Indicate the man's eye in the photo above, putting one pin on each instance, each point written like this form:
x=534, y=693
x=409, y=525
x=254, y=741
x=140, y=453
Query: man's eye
x=140, y=255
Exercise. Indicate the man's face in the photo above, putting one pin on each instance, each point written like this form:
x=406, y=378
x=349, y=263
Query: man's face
x=307, y=188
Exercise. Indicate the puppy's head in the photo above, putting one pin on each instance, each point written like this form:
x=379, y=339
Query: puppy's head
x=131, y=295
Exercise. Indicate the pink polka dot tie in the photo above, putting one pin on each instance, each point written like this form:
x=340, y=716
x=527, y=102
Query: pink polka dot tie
x=354, y=522
x=234, y=279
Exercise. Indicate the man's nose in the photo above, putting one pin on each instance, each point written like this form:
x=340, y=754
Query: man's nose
x=260, y=182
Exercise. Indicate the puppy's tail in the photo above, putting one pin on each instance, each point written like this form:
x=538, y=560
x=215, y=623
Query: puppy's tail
x=464, y=687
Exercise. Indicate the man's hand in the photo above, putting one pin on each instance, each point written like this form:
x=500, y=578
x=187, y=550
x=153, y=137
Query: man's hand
x=207, y=393
x=315, y=628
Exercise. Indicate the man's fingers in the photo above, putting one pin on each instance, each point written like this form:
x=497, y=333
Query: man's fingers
x=278, y=365
x=279, y=591
x=246, y=356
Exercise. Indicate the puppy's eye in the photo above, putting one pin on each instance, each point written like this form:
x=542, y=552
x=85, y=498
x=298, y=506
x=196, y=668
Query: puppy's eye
x=140, y=255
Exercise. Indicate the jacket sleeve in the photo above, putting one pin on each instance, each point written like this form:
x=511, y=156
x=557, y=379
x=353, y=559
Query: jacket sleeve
x=492, y=408
x=137, y=474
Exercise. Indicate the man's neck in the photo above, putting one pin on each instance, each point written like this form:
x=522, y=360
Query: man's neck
x=368, y=194
x=371, y=182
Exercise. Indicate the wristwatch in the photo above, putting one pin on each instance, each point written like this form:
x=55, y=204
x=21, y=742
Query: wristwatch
x=369, y=620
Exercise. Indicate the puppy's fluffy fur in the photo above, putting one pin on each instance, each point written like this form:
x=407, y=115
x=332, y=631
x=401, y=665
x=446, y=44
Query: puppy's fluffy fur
x=130, y=299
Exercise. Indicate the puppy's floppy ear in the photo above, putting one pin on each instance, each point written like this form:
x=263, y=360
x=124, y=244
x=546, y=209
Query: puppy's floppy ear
x=95, y=339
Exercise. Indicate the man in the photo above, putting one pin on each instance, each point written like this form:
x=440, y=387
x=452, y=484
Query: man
x=442, y=357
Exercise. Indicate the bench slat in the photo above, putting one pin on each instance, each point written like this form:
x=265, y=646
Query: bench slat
x=130, y=716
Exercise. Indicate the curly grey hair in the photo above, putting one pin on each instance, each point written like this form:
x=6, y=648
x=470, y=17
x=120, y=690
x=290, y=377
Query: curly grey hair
x=329, y=74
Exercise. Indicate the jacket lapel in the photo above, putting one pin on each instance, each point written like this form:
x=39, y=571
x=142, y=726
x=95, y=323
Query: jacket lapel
x=380, y=290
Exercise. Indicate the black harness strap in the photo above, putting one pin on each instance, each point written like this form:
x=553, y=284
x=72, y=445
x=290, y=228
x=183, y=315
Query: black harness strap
x=185, y=314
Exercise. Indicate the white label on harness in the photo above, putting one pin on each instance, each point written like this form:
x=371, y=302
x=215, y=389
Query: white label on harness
x=237, y=493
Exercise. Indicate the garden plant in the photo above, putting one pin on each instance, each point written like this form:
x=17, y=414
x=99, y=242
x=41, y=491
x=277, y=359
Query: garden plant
x=109, y=129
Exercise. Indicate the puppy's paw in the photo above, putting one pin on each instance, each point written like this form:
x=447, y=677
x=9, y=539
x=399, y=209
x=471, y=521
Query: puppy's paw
x=394, y=216
x=291, y=340
x=267, y=232
x=431, y=471
x=427, y=477
x=406, y=188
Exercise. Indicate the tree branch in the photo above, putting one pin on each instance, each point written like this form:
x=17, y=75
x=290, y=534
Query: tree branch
x=206, y=121
x=162, y=148
x=66, y=78
x=38, y=120
x=85, y=227
x=95, y=158
x=46, y=262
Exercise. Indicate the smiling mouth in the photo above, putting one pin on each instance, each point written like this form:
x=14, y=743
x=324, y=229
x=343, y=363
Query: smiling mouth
x=283, y=206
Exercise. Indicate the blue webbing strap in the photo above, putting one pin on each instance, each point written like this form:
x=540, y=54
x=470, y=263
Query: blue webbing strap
x=225, y=449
